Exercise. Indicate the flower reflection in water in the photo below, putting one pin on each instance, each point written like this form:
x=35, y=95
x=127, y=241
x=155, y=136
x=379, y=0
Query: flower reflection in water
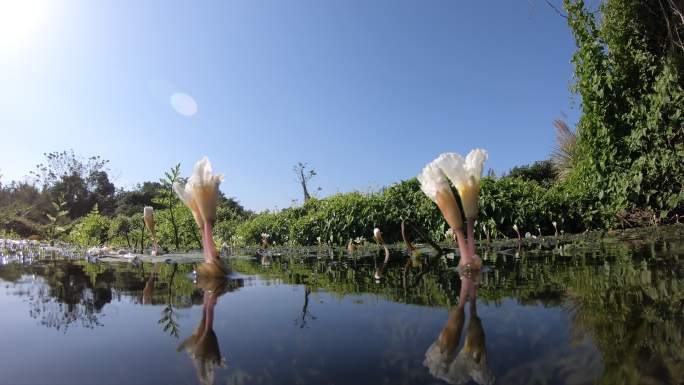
x=441, y=357
x=380, y=270
x=148, y=290
x=202, y=346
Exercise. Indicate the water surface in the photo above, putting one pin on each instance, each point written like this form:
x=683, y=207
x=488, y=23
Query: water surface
x=580, y=314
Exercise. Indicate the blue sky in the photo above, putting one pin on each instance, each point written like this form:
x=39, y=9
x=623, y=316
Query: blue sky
x=367, y=92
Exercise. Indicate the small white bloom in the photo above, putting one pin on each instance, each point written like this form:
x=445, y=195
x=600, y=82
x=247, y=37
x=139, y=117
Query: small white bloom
x=200, y=193
x=184, y=192
x=435, y=185
x=148, y=212
x=185, y=195
x=148, y=217
x=449, y=234
x=377, y=234
x=205, y=189
x=432, y=181
x=465, y=175
x=515, y=227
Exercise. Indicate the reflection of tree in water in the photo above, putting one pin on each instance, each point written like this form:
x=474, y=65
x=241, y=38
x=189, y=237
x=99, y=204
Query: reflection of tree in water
x=634, y=316
x=68, y=293
x=629, y=305
x=168, y=320
x=306, y=313
x=64, y=297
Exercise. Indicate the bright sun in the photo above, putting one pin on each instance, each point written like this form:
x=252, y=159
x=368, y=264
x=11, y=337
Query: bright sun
x=20, y=21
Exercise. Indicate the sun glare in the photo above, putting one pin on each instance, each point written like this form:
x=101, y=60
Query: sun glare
x=20, y=20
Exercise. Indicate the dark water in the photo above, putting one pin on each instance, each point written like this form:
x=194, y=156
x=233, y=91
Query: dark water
x=582, y=314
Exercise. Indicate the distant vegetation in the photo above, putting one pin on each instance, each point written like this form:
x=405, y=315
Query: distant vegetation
x=623, y=167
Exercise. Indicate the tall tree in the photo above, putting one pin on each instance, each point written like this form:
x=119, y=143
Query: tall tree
x=303, y=176
x=630, y=75
x=60, y=164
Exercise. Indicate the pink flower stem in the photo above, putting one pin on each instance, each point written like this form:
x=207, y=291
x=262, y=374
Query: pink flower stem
x=210, y=251
x=462, y=246
x=471, y=236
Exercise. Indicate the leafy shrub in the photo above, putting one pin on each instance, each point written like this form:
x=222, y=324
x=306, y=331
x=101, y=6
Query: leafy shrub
x=91, y=230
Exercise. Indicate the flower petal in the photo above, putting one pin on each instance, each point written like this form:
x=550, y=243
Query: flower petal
x=432, y=180
x=184, y=193
x=451, y=165
x=474, y=162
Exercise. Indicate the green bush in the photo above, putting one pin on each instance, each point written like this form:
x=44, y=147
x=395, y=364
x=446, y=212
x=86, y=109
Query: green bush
x=342, y=217
x=91, y=230
x=628, y=73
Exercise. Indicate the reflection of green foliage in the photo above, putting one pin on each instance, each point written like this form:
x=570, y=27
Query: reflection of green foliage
x=168, y=320
x=169, y=323
x=623, y=290
x=634, y=315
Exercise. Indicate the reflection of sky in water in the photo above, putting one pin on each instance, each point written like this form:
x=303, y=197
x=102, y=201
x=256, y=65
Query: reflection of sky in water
x=357, y=339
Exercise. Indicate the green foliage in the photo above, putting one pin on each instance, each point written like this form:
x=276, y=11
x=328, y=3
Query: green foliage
x=55, y=228
x=631, y=136
x=120, y=230
x=168, y=198
x=91, y=230
x=186, y=230
x=542, y=172
x=145, y=194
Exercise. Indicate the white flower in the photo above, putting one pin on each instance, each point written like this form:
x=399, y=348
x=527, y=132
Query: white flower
x=265, y=235
x=436, y=187
x=449, y=234
x=148, y=217
x=515, y=227
x=205, y=189
x=432, y=181
x=378, y=235
x=465, y=175
x=200, y=194
x=185, y=195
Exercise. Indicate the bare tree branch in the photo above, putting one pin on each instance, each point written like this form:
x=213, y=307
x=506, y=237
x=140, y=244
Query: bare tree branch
x=555, y=8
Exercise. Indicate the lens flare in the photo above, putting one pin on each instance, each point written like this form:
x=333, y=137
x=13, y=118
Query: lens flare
x=184, y=104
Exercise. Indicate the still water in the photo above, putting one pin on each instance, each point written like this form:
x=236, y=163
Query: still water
x=609, y=314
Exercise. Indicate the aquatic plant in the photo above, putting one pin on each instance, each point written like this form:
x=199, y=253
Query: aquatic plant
x=435, y=185
x=200, y=194
x=148, y=218
x=465, y=175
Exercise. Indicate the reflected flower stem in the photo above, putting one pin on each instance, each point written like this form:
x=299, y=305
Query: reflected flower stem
x=209, y=303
